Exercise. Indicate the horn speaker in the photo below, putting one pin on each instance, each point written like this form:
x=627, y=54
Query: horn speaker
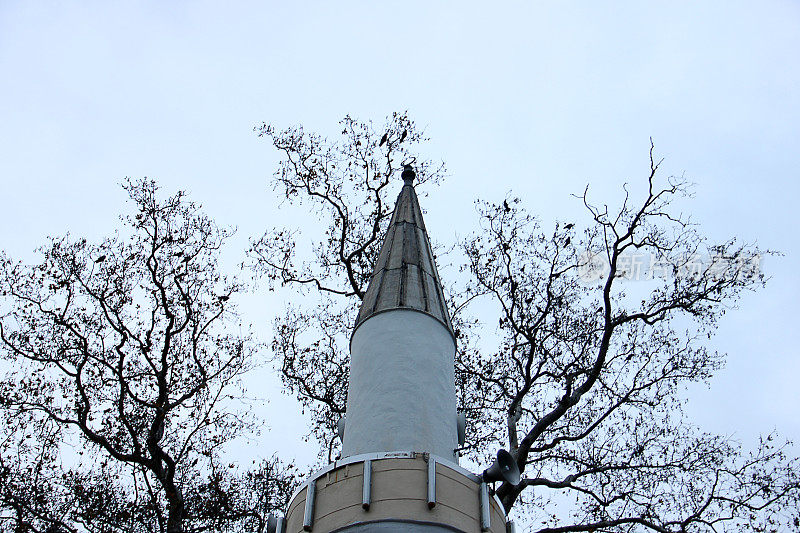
x=504, y=468
x=340, y=427
x=275, y=524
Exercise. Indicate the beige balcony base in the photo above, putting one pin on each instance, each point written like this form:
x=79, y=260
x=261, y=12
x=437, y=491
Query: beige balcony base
x=398, y=499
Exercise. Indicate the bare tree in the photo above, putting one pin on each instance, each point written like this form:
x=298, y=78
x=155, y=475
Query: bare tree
x=586, y=386
x=129, y=351
x=589, y=375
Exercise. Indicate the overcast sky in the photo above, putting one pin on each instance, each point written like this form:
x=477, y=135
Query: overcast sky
x=531, y=98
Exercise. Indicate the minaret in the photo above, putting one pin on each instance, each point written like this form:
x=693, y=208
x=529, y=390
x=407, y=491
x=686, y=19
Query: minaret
x=399, y=469
x=402, y=392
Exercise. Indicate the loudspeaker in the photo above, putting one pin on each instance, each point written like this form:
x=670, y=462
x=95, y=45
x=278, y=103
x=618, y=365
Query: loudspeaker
x=340, y=428
x=275, y=524
x=504, y=468
x=461, y=427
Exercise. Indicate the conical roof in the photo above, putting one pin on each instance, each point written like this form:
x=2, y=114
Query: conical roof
x=405, y=275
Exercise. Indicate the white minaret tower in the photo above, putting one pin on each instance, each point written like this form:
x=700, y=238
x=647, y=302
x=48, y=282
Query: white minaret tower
x=402, y=392
x=399, y=468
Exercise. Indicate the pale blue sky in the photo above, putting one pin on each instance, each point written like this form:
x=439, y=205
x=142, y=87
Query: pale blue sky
x=536, y=98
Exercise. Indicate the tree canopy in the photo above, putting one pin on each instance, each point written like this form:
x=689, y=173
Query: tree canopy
x=128, y=352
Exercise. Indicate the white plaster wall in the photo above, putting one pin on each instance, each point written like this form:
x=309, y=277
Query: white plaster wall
x=402, y=386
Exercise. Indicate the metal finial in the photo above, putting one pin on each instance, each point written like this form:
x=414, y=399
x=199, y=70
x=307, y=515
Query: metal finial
x=408, y=174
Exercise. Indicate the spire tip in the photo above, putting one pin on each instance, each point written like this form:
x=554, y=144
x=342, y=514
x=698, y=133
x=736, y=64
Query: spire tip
x=408, y=174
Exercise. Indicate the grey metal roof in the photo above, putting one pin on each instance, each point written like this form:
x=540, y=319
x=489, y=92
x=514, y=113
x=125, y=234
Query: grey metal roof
x=405, y=275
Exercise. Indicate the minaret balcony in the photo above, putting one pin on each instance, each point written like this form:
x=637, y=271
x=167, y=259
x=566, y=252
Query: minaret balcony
x=402, y=491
